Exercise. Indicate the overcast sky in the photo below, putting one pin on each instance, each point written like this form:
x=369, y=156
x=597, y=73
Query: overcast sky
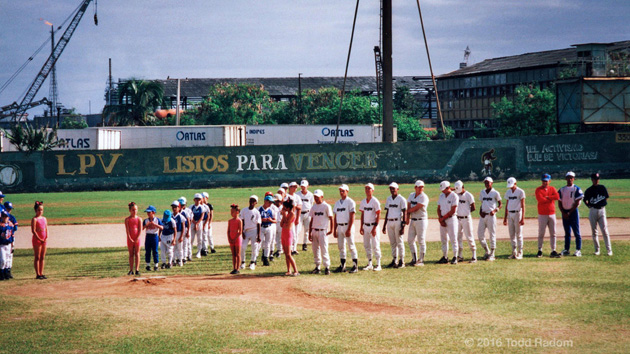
x=281, y=38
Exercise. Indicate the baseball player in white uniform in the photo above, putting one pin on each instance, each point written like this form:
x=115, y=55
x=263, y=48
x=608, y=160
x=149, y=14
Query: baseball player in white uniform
x=180, y=222
x=343, y=228
x=446, y=211
x=198, y=213
x=370, y=209
x=277, y=244
x=595, y=198
x=268, y=213
x=418, y=221
x=305, y=216
x=297, y=203
x=394, y=225
x=514, y=216
x=251, y=231
x=208, y=241
x=464, y=220
x=490, y=205
x=321, y=226
x=186, y=247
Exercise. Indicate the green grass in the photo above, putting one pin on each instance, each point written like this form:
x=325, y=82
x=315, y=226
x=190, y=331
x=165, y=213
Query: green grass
x=580, y=299
x=111, y=206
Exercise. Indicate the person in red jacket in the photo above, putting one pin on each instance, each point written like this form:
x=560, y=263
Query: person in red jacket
x=546, y=196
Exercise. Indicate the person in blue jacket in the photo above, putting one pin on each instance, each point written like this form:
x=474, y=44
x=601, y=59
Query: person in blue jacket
x=153, y=228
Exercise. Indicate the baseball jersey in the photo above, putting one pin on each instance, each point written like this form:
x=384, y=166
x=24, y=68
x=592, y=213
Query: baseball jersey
x=369, y=210
x=251, y=218
x=395, y=206
x=180, y=221
x=466, y=200
x=320, y=214
x=415, y=199
x=169, y=227
x=343, y=208
x=207, y=209
x=297, y=202
x=489, y=200
x=568, y=195
x=152, y=230
x=197, y=212
x=513, y=199
x=268, y=213
x=6, y=233
x=307, y=200
x=13, y=220
x=594, y=197
x=446, y=202
x=278, y=213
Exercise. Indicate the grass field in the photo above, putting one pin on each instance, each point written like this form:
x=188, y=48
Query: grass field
x=570, y=305
x=111, y=206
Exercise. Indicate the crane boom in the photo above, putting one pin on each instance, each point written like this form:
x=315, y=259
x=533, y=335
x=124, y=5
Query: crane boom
x=50, y=62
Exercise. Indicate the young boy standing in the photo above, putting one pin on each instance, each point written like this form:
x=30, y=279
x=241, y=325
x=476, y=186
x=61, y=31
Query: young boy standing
x=153, y=227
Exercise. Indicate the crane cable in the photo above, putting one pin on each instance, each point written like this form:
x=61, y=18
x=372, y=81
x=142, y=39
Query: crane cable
x=345, y=75
x=437, y=98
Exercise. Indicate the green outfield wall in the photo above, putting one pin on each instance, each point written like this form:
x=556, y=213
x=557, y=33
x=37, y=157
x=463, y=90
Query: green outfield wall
x=432, y=161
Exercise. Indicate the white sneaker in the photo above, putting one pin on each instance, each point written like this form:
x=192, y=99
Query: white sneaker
x=578, y=253
x=369, y=267
x=252, y=266
x=242, y=265
x=378, y=268
x=565, y=252
x=596, y=253
x=491, y=258
x=519, y=255
x=198, y=255
x=610, y=253
x=512, y=256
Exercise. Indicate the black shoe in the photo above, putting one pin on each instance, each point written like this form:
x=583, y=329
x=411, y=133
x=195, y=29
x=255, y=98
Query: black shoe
x=315, y=271
x=130, y=272
x=460, y=259
x=137, y=272
x=392, y=264
x=148, y=268
x=235, y=271
x=43, y=276
x=454, y=260
x=340, y=269
x=539, y=254
x=38, y=277
x=354, y=269
x=271, y=258
x=401, y=264
x=554, y=254
x=168, y=266
x=294, y=253
x=327, y=271
x=213, y=250
x=277, y=254
x=204, y=253
x=265, y=261
x=443, y=260
x=155, y=268
x=304, y=247
x=163, y=266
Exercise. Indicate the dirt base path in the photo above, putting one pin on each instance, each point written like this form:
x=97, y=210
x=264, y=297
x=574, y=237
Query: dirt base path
x=113, y=235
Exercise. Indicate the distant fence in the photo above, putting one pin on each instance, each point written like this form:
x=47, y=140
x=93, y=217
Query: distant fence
x=525, y=157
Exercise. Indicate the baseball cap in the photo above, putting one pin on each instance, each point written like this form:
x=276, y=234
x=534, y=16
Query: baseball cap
x=570, y=174
x=151, y=209
x=269, y=198
x=319, y=193
x=458, y=186
x=593, y=176
x=293, y=184
x=254, y=196
x=511, y=182
x=304, y=183
x=182, y=200
x=205, y=195
x=419, y=183
x=1, y=195
x=344, y=187
x=4, y=213
x=489, y=179
x=197, y=196
x=284, y=185
x=175, y=203
x=167, y=216
x=268, y=193
x=278, y=197
x=545, y=177
x=8, y=205
x=444, y=185
x=370, y=185
x=393, y=185
x=280, y=190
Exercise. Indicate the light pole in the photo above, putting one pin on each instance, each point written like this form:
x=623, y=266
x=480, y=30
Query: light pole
x=177, y=110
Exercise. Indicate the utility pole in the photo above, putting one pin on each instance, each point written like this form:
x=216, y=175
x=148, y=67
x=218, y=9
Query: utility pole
x=300, y=96
x=388, y=98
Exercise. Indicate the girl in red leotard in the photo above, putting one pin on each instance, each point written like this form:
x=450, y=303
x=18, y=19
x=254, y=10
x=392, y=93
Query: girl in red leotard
x=234, y=231
x=39, y=228
x=133, y=227
x=288, y=217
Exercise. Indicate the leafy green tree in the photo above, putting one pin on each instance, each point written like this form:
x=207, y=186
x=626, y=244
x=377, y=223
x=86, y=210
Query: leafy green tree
x=26, y=138
x=406, y=102
x=409, y=128
x=531, y=111
x=137, y=100
x=73, y=121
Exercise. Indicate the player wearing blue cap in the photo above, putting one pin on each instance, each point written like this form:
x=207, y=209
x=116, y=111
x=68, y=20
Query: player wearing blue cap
x=153, y=227
x=187, y=246
x=570, y=198
x=180, y=221
x=8, y=207
x=268, y=216
x=6, y=239
x=167, y=239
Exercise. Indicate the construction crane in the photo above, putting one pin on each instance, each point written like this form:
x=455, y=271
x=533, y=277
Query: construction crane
x=27, y=101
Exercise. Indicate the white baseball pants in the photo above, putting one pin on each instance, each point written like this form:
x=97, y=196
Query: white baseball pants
x=166, y=248
x=395, y=239
x=598, y=217
x=372, y=244
x=296, y=231
x=464, y=229
x=418, y=231
x=489, y=222
x=449, y=232
x=516, y=230
x=5, y=256
x=320, y=248
x=250, y=236
x=197, y=236
x=547, y=221
x=266, y=237
x=179, y=247
x=342, y=240
x=305, y=223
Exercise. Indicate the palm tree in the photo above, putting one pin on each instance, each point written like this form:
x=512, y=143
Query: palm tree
x=29, y=139
x=137, y=100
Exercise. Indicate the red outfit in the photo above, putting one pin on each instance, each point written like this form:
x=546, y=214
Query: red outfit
x=546, y=206
x=40, y=227
x=287, y=234
x=234, y=237
x=135, y=229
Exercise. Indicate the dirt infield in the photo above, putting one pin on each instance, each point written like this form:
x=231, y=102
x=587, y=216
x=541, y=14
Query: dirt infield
x=113, y=235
